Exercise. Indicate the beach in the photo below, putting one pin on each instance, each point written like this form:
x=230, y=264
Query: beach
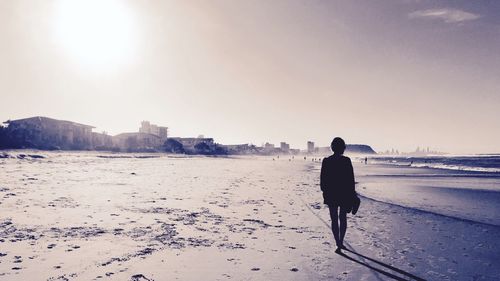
x=105, y=216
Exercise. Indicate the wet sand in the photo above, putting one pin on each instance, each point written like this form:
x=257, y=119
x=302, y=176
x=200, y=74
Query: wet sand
x=95, y=216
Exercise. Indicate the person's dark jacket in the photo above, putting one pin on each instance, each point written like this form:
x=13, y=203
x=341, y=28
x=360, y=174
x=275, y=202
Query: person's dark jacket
x=337, y=181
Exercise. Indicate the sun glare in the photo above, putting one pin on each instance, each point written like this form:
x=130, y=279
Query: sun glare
x=97, y=33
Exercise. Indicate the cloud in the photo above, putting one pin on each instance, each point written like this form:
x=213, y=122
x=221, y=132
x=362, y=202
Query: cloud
x=448, y=15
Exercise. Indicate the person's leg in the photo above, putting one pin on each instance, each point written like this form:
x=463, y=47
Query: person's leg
x=335, y=222
x=343, y=225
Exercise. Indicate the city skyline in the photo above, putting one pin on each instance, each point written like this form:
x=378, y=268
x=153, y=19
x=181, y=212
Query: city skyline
x=147, y=127
x=389, y=74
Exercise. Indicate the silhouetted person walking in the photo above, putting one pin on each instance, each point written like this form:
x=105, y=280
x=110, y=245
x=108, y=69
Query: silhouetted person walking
x=337, y=184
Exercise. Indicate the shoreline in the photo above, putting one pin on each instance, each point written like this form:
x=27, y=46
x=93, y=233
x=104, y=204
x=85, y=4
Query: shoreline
x=430, y=212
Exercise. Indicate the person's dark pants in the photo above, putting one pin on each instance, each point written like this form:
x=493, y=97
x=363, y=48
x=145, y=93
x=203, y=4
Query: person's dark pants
x=336, y=216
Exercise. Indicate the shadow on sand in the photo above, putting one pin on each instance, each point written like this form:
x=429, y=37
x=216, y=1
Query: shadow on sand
x=384, y=272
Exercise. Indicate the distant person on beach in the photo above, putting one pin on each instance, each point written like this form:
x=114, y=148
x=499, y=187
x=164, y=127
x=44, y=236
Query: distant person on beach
x=366, y=160
x=337, y=184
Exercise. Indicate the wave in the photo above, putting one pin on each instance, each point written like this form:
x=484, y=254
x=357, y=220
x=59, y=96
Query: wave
x=457, y=168
x=476, y=163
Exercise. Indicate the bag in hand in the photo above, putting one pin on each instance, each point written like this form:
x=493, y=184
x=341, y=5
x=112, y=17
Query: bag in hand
x=355, y=204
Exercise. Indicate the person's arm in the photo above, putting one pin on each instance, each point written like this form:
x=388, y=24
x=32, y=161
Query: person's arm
x=322, y=178
x=351, y=177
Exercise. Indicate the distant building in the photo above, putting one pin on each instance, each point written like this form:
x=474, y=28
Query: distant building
x=47, y=133
x=268, y=146
x=310, y=147
x=269, y=149
x=137, y=142
x=285, y=147
x=145, y=127
x=102, y=141
x=148, y=128
x=154, y=130
x=163, y=132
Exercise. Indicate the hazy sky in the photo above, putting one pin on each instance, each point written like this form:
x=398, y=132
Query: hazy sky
x=394, y=73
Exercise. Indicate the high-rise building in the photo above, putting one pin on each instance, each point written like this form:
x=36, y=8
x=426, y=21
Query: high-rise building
x=310, y=147
x=285, y=147
x=163, y=132
x=268, y=145
x=145, y=127
x=148, y=128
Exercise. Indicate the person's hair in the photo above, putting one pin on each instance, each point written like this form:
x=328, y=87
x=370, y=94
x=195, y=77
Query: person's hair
x=338, y=145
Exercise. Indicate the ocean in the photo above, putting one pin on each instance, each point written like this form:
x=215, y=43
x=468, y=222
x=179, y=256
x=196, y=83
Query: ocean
x=463, y=187
x=488, y=163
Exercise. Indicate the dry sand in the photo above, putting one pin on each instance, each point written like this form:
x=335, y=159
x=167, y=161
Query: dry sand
x=93, y=216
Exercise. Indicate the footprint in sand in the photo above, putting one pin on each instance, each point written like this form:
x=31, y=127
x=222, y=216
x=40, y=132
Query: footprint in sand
x=139, y=277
